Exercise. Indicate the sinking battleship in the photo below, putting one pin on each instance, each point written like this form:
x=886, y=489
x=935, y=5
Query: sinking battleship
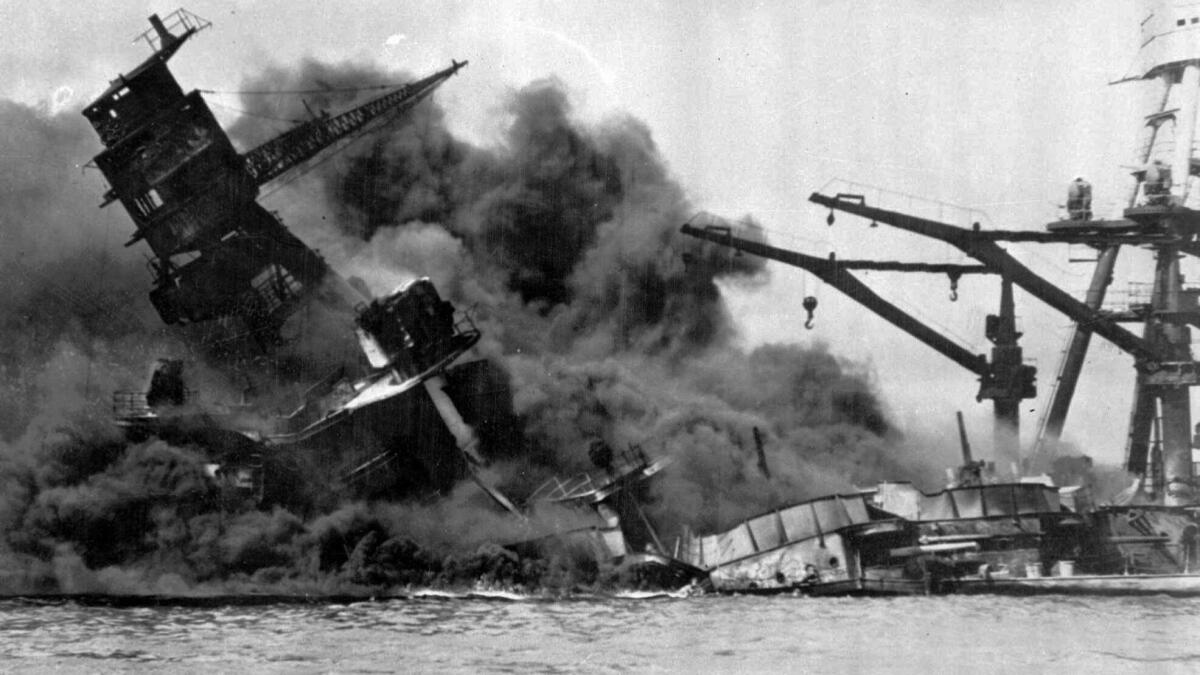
x=230, y=270
x=1016, y=534
x=398, y=411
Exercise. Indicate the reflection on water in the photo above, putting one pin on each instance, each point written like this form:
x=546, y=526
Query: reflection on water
x=744, y=634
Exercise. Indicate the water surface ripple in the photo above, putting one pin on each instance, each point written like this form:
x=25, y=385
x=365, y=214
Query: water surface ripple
x=706, y=634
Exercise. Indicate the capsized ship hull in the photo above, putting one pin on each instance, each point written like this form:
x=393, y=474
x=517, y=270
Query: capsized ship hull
x=1005, y=538
x=830, y=545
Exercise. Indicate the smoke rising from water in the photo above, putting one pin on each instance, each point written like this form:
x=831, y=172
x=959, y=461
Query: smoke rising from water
x=560, y=236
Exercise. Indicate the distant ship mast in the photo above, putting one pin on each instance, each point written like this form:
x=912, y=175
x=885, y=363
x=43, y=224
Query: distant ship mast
x=1170, y=54
x=1159, y=216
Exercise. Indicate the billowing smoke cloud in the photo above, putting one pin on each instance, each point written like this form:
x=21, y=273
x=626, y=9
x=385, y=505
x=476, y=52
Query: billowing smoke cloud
x=54, y=243
x=561, y=237
x=74, y=328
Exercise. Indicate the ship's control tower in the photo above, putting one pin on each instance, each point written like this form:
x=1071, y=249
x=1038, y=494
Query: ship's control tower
x=1163, y=201
x=1170, y=54
x=217, y=253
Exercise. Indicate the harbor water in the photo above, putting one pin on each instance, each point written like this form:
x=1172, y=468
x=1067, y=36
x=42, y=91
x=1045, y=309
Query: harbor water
x=447, y=633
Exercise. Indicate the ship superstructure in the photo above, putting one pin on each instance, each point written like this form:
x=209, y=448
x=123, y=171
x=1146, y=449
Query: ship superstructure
x=218, y=254
x=395, y=416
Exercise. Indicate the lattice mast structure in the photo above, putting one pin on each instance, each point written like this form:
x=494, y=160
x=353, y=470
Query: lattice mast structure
x=1160, y=215
x=1160, y=200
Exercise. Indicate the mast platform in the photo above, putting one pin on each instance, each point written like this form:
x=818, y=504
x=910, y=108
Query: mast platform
x=1121, y=225
x=1152, y=214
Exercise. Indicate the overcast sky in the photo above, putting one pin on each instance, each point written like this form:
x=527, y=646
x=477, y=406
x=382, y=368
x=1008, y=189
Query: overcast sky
x=992, y=105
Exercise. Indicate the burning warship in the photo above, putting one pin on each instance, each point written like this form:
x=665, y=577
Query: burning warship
x=1019, y=535
x=402, y=414
x=226, y=265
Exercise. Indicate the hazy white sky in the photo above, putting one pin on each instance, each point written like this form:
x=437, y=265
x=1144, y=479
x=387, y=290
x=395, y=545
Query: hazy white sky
x=995, y=105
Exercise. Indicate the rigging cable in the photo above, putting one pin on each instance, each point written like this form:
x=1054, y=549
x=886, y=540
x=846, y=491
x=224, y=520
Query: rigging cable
x=250, y=114
x=322, y=90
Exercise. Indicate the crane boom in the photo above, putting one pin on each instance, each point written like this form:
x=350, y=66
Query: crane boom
x=989, y=253
x=1005, y=379
x=286, y=151
x=834, y=274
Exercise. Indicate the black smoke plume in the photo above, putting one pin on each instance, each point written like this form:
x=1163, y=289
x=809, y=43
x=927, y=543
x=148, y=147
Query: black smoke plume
x=562, y=238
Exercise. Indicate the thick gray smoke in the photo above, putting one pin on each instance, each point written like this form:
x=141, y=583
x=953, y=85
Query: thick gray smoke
x=54, y=243
x=564, y=238
x=561, y=237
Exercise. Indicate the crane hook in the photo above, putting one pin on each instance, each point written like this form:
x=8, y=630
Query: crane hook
x=829, y=218
x=809, y=304
x=953, y=287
